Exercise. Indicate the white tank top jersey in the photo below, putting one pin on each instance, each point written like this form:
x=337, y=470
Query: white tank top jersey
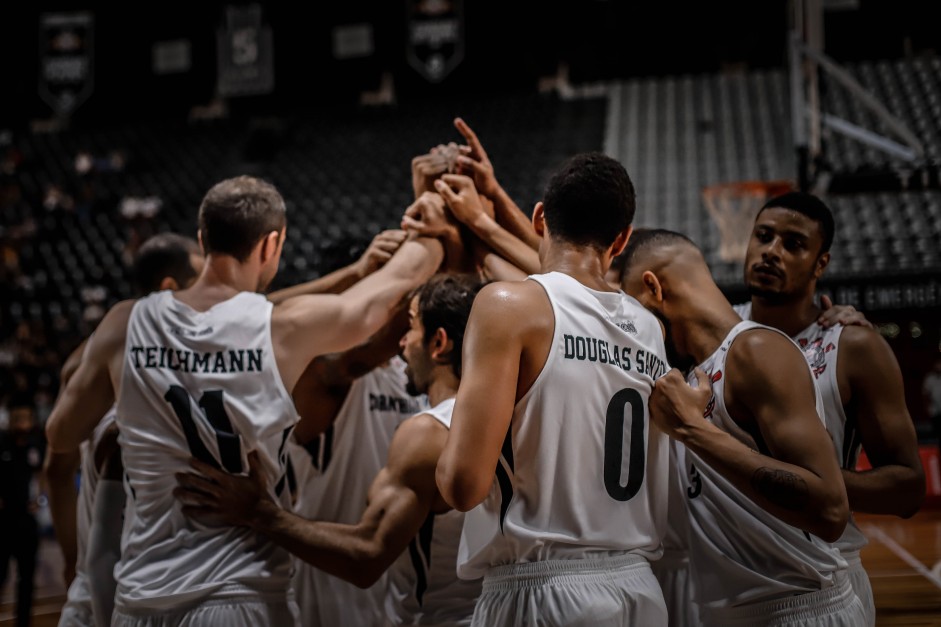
x=739, y=553
x=335, y=471
x=581, y=475
x=79, y=594
x=423, y=585
x=821, y=348
x=204, y=385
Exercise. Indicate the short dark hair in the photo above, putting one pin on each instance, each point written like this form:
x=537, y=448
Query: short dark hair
x=589, y=200
x=164, y=255
x=444, y=302
x=236, y=213
x=810, y=206
x=643, y=240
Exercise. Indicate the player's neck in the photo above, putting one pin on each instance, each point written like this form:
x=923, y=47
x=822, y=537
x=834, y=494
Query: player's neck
x=442, y=387
x=791, y=317
x=582, y=263
x=222, y=278
x=706, y=327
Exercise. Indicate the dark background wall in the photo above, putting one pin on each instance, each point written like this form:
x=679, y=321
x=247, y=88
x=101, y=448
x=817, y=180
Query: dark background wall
x=509, y=45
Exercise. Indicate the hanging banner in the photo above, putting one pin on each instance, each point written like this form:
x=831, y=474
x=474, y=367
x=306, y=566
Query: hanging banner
x=66, y=60
x=435, y=44
x=245, y=53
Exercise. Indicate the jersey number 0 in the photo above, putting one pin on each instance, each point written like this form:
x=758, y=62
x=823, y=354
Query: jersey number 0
x=614, y=445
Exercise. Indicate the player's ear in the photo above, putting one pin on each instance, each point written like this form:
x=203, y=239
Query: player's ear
x=822, y=262
x=539, y=219
x=169, y=283
x=199, y=238
x=269, y=245
x=652, y=286
x=441, y=346
x=620, y=242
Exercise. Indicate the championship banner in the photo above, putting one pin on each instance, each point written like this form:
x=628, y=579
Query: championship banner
x=245, y=53
x=66, y=60
x=435, y=44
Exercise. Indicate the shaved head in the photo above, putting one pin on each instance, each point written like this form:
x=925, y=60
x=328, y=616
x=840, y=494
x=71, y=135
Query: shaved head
x=657, y=250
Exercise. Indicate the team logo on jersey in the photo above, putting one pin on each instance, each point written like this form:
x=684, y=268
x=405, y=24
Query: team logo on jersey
x=711, y=405
x=627, y=327
x=816, y=354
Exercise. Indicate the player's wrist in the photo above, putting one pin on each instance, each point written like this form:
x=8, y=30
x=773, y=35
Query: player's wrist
x=263, y=516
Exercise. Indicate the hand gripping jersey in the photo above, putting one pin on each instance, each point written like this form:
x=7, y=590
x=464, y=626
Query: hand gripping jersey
x=739, y=553
x=423, y=585
x=821, y=349
x=79, y=594
x=581, y=475
x=204, y=385
x=335, y=471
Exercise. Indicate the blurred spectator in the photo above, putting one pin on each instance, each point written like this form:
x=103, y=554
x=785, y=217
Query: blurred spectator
x=21, y=455
x=139, y=212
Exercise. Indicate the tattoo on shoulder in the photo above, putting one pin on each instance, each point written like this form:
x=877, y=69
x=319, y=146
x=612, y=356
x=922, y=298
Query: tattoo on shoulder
x=781, y=487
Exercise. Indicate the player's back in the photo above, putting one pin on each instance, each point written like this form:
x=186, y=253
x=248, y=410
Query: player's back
x=336, y=469
x=581, y=474
x=204, y=385
x=739, y=553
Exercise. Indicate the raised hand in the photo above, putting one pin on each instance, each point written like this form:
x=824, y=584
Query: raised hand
x=428, y=217
x=428, y=167
x=380, y=250
x=476, y=163
x=460, y=193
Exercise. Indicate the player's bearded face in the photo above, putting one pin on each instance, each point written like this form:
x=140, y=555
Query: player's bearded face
x=418, y=363
x=782, y=255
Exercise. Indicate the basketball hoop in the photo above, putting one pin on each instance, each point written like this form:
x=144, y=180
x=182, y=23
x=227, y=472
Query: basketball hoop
x=734, y=206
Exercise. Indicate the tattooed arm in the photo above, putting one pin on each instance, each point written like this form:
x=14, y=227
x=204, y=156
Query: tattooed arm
x=797, y=479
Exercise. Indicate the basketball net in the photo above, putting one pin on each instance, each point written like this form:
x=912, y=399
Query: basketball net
x=734, y=206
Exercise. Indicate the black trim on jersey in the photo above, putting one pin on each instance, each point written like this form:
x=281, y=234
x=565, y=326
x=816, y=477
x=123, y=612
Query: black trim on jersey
x=851, y=441
x=321, y=449
x=419, y=551
x=283, y=462
x=503, y=477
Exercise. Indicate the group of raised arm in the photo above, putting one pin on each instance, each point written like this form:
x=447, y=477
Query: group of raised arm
x=433, y=449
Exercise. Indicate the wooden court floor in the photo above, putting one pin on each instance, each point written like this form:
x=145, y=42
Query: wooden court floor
x=903, y=560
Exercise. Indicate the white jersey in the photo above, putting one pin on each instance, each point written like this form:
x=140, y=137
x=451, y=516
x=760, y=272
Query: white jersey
x=423, y=585
x=205, y=385
x=821, y=348
x=334, y=473
x=739, y=553
x=581, y=475
x=79, y=593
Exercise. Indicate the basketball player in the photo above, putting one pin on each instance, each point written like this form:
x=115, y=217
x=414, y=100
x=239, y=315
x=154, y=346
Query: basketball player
x=351, y=404
x=406, y=528
x=209, y=371
x=553, y=366
x=764, y=494
x=856, y=371
x=165, y=261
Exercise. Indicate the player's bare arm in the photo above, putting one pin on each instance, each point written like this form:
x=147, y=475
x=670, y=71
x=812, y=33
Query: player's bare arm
x=379, y=251
x=400, y=499
x=59, y=468
x=799, y=482
x=464, y=202
x=297, y=324
x=876, y=397
x=506, y=344
x=477, y=165
x=322, y=389
x=90, y=392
